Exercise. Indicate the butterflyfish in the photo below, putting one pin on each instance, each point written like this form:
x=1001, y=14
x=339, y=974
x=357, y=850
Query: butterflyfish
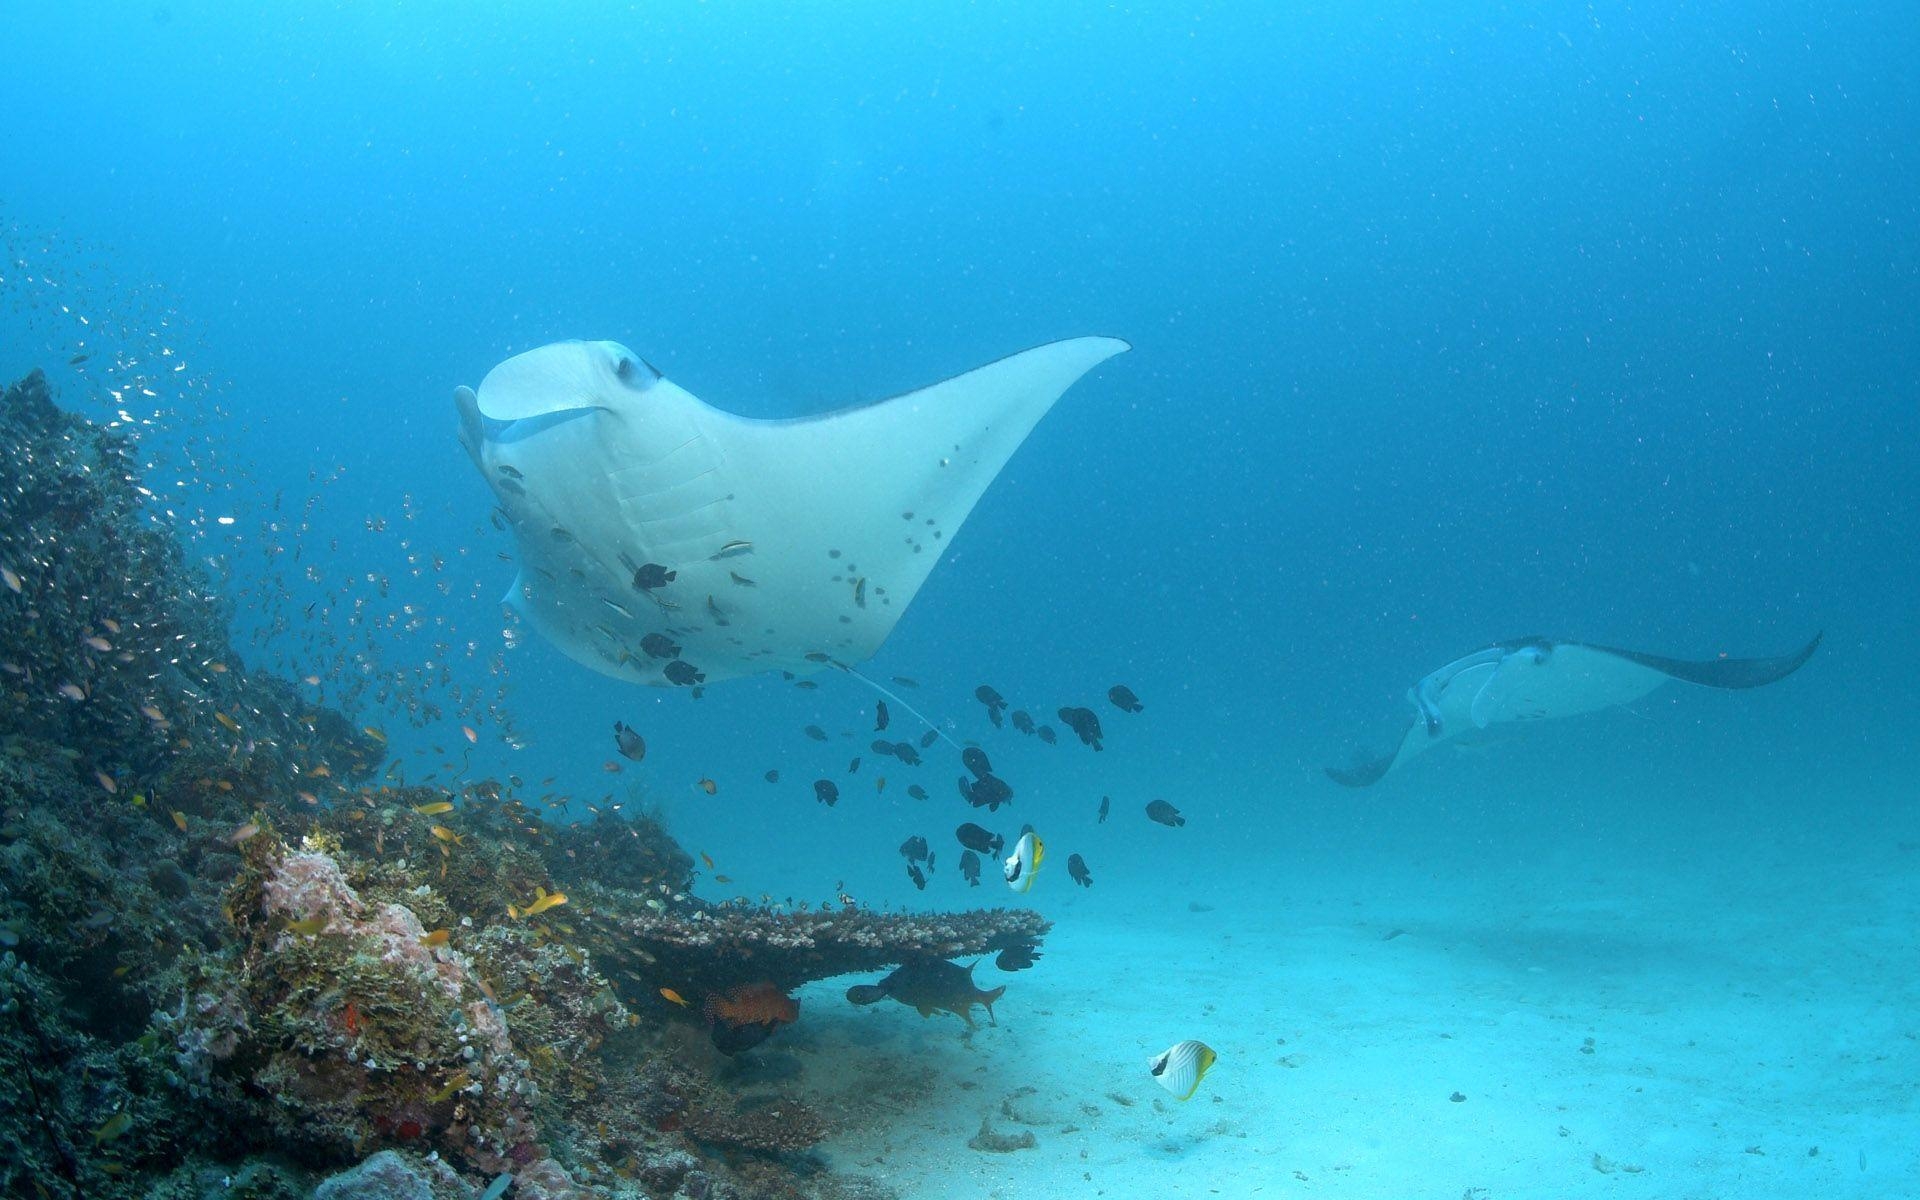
x=1181, y=1067
x=1024, y=863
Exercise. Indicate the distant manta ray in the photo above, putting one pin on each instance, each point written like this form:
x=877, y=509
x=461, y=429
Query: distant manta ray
x=665, y=542
x=1534, y=679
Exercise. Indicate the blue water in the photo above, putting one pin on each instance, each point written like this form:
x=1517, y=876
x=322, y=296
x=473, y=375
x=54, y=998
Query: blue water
x=1452, y=323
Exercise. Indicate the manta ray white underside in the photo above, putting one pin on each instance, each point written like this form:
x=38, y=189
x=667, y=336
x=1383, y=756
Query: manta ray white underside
x=662, y=541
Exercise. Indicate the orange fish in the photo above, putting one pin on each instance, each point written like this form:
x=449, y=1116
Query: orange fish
x=675, y=997
x=752, y=1004
x=543, y=900
x=438, y=937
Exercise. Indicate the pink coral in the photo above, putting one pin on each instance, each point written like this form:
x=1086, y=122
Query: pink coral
x=305, y=885
x=489, y=1027
x=398, y=932
x=547, y=1180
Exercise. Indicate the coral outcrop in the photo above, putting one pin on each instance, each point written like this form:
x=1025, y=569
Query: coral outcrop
x=705, y=950
x=231, y=963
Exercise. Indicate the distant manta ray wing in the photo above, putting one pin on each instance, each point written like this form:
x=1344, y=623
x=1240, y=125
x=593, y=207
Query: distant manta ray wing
x=786, y=540
x=1731, y=673
x=1533, y=679
x=1565, y=679
x=1573, y=678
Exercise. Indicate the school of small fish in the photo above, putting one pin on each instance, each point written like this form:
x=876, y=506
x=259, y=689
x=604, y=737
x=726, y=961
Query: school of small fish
x=378, y=641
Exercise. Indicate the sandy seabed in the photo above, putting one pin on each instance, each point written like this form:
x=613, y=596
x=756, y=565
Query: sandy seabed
x=1745, y=1026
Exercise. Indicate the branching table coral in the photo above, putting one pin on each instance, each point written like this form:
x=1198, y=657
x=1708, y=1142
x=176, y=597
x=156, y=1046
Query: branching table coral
x=700, y=950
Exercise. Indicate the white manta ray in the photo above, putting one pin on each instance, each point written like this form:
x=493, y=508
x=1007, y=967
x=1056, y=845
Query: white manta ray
x=1534, y=679
x=662, y=541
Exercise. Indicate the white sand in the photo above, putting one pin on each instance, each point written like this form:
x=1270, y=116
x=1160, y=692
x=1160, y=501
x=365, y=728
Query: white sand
x=1747, y=1025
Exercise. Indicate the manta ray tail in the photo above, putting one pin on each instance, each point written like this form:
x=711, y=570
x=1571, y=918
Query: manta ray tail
x=918, y=715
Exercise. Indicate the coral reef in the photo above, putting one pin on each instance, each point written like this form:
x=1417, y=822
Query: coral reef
x=386, y=1176
x=674, y=1098
x=705, y=950
x=116, y=651
x=231, y=963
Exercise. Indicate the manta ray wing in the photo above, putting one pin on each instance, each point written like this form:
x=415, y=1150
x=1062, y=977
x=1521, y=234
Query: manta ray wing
x=1367, y=770
x=655, y=530
x=849, y=512
x=1533, y=679
x=1731, y=673
x=1573, y=678
x=1564, y=679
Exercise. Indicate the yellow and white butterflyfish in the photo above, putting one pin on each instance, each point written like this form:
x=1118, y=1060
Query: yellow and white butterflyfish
x=1181, y=1067
x=1021, y=866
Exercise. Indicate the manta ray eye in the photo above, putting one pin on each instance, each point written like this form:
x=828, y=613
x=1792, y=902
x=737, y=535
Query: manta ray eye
x=627, y=370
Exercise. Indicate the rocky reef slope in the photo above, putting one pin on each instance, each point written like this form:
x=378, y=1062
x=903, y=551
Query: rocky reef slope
x=233, y=963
